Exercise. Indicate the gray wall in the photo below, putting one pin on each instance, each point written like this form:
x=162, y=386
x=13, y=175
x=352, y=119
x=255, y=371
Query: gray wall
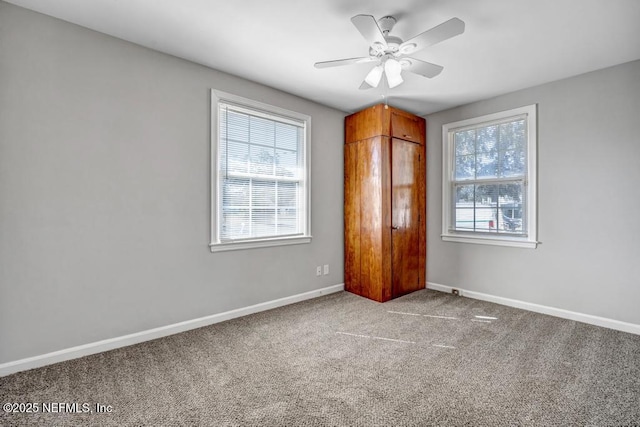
x=104, y=191
x=588, y=211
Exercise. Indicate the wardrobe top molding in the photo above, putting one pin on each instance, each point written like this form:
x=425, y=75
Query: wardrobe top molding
x=384, y=120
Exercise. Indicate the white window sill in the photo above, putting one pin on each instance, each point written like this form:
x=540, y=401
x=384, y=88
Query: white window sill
x=252, y=244
x=491, y=240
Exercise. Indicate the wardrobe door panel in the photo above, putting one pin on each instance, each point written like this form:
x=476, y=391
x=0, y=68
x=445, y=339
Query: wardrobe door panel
x=405, y=213
x=407, y=127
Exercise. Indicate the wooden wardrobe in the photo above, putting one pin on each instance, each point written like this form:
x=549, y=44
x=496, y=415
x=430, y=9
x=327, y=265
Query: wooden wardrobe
x=384, y=203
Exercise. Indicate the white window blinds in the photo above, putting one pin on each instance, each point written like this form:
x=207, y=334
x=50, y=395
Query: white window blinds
x=261, y=174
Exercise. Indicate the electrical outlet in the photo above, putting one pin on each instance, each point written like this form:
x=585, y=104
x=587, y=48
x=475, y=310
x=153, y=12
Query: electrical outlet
x=326, y=269
x=318, y=271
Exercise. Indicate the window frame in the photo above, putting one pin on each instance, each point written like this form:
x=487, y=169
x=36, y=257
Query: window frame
x=449, y=234
x=216, y=245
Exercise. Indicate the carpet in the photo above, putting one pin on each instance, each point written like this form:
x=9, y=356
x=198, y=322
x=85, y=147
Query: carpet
x=425, y=359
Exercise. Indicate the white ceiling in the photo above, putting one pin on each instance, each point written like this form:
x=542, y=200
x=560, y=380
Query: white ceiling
x=508, y=44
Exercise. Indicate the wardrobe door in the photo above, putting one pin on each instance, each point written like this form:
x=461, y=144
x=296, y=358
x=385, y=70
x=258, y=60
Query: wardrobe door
x=405, y=216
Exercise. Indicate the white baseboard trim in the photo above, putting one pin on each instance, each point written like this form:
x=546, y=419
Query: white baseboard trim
x=552, y=311
x=151, y=334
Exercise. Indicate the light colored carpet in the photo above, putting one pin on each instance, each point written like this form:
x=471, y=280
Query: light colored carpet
x=344, y=360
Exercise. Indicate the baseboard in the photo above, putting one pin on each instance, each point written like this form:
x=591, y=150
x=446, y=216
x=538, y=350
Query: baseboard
x=151, y=334
x=552, y=311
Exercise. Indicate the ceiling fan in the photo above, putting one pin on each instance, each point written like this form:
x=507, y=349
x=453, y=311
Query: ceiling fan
x=390, y=52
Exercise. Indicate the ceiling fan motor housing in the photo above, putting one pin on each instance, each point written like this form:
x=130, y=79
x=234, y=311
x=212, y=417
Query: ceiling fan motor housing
x=386, y=24
x=393, y=43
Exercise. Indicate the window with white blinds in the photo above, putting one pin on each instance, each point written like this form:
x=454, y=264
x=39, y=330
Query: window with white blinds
x=261, y=174
x=489, y=188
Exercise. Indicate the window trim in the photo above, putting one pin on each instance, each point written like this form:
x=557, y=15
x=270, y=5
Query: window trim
x=216, y=194
x=448, y=129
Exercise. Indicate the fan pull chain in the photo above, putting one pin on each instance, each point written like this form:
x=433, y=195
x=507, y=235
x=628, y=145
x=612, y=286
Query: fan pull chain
x=385, y=97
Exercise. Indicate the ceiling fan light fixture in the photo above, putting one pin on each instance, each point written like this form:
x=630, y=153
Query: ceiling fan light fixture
x=393, y=70
x=374, y=76
x=394, y=81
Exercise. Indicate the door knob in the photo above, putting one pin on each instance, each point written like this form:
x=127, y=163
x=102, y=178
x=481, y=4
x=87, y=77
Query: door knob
x=394, y=227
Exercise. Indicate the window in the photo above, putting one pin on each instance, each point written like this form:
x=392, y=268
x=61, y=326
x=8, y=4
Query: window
x=489, y=179
x=260, y=174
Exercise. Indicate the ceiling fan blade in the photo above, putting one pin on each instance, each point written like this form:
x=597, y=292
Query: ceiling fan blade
x=426, y=69
x=365, y=86
x=444, y=31
x=369, y=29
x=340, y=62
